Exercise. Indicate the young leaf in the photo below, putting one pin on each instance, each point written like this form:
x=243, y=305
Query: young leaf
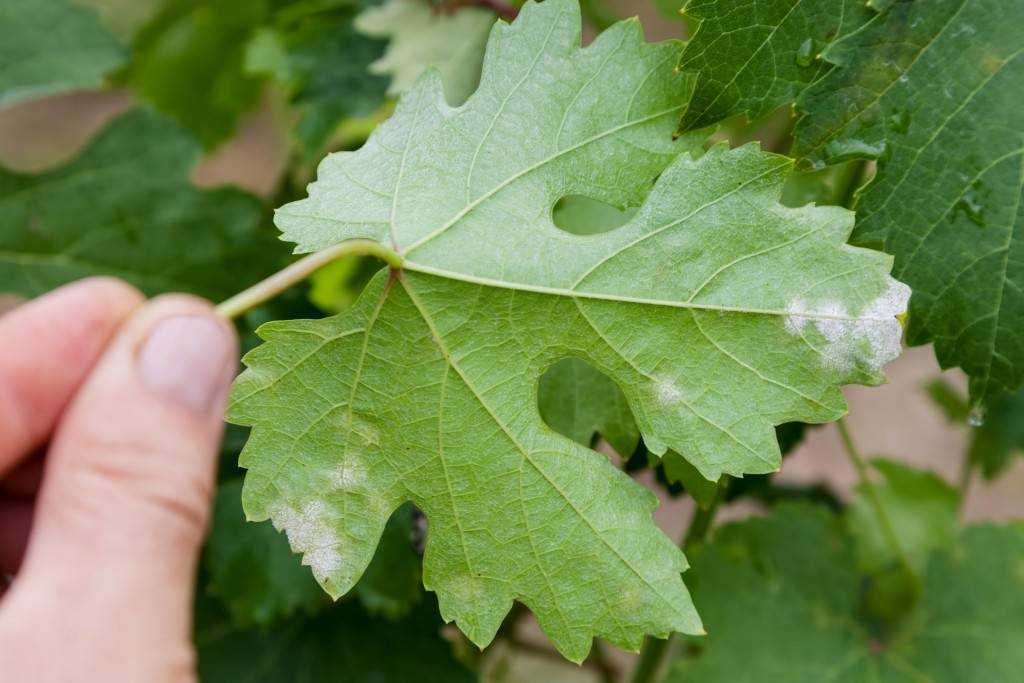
x=342, y=644
x=783, y=592
x=933, y=90
x=125, y=207
x=752, y=57
x=718, y=312
x=422, y=37
x=52, y=46
x=921, y=506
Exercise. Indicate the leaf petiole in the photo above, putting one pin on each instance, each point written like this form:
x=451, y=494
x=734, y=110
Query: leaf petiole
x=267, y=289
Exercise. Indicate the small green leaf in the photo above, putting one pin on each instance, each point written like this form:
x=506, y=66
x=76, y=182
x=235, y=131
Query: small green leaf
x=52, y=46
x=422, y=37
x=125, y=207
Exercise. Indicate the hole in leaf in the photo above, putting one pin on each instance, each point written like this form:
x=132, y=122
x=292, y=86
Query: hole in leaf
x=581, y=215
x=580, y=402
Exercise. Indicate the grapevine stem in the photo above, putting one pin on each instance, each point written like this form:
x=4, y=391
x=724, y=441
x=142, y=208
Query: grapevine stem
x=655, y=650
x=884, y=521
x=297, y=272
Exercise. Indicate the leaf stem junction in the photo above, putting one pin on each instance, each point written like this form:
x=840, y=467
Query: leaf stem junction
x=267, y=289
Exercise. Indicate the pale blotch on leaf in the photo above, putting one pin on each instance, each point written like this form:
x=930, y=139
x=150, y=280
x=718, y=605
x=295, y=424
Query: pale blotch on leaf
x=309, y=532
x=869, y=339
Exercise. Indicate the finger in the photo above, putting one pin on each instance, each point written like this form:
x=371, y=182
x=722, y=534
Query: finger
x=47, y=348
x=15, y=524
x=126, y=492
x=23, y=480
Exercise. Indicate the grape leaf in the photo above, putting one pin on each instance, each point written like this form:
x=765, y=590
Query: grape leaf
x=921, y=506
x=320, y=59
x=125, y=207
x=189, y=63
x=755, y=55
x=52, y=46
x=718, y=312
x=422, y=37
x=783, y=591
x=341, y=644
x=932, y=89
x=255, y=575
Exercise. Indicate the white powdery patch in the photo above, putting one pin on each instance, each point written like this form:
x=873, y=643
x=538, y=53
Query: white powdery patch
x=666, y=391
x=870, y=338
x=309, y=532
x=350, y=475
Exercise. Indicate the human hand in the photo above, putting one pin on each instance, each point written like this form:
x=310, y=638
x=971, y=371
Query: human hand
x=103, y=528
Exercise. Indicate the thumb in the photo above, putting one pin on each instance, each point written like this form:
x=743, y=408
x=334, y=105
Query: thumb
x=126, y=494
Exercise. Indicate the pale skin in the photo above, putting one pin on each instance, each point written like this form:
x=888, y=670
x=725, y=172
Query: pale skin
x=111, y=412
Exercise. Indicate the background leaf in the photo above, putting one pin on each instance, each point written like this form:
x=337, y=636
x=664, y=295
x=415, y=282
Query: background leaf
x=932, y=90
x=125, y=207
x=52, y=46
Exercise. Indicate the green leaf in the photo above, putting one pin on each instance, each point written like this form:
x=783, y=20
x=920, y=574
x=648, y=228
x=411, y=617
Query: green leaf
x=52, y=46
x=718, y=312
x=422, y=37
x=779, y=596
x=1000, y=437
x=342, y=644
x=921, y=506
x=125, y=207
x=189, y=63
x=932, y=89
x=254, y=573
x=322, y=62
x=755, y=55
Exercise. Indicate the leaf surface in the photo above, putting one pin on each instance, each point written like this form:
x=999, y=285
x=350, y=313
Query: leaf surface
x=125, y=207
x=783, y=591
x=933, y=90
x=755, y=55
x=422, y=37
x=52, y=46
x=717, y=311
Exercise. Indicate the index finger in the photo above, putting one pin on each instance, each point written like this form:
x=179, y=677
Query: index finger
x=47, y=348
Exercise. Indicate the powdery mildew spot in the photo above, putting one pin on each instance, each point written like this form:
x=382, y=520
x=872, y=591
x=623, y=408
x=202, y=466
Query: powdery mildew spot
x=309, y=532
x=350, y=475
x=871, y=338
x=666, y=391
